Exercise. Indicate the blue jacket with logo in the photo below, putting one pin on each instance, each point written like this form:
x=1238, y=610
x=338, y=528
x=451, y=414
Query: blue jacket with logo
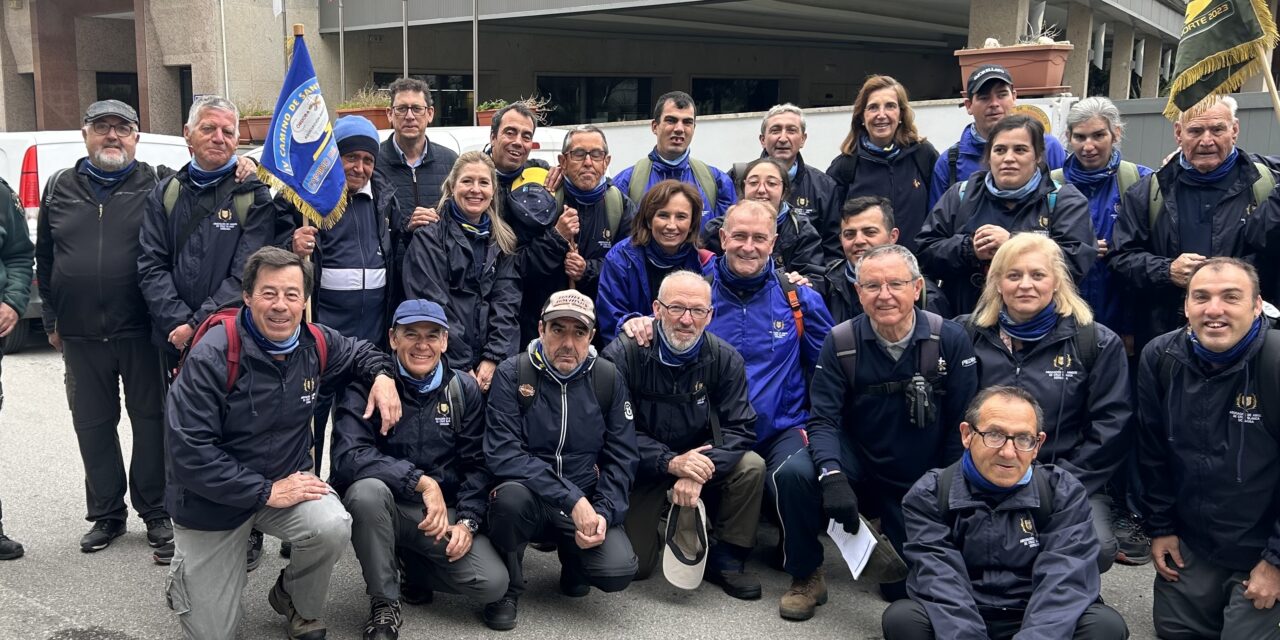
x=970, y=162
x=778, y=359
x=988, y=553
x=726, y=195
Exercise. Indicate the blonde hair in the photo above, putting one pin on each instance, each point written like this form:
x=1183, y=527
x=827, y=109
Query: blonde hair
x=501, y=233
x=1065, y=296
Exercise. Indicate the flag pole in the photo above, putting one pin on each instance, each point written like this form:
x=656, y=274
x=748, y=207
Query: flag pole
x=1271, y=82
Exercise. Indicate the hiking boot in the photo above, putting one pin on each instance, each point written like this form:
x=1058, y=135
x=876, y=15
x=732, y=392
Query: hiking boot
x=299, y=628
x=101, y=535
x=572, y=584
x=803, y=597
x=286, y=549
x=738, y=584
x=163, y=554
x=254, y=557
x=500, y=615
x=415, y=594
x=1133, y=547
x=9, y=549
x=159, y=532
x=384, y=620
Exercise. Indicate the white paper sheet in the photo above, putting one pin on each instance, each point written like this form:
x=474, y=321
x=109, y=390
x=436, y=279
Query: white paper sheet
x=855, y=547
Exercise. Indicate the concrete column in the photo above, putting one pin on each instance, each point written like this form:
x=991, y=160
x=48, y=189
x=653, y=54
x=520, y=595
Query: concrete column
x=1151, y=59
x=1121, y=61
x=17, y=89
x=53, y=47
x=1004, y=20
x=1080, y=34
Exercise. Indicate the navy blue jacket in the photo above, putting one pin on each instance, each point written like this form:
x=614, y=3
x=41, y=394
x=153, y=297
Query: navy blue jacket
x=900, y=180
x=843, y=303
x=226, y=449
x=15, y=252
x=946, y=240
x=815, y=196
x=970, y=161
x=433, y=437
x=625, y=290
x=1210, y=467
x=477, y=285
x=415, y=187
x=666, y=429
x=888, y=449
x=1087, y=414
x=567, y=446
x=186, y=288
x=798, y=247
x=989, y=554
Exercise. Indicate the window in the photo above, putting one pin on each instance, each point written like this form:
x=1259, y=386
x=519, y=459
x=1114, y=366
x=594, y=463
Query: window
x=579, y=99
x=452, y=95
x=118, y=86
x=733, y=95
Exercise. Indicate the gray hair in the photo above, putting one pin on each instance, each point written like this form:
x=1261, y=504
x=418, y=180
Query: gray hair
x=886, y=250
x=1094, y=107
x=687, y=276
x=1010, y=392
x=216, y=103
x=1209, y=103
x=780, y=109
x=582, y=129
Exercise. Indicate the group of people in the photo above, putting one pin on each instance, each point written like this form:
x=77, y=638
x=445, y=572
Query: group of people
x=985, y=354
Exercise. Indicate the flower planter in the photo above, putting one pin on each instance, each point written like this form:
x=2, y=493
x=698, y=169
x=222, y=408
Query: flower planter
x=376, y=115
x=1036, y=69
x=485, y=118
x=254, y=129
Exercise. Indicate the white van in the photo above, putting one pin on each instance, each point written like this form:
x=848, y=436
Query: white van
x=29, y=158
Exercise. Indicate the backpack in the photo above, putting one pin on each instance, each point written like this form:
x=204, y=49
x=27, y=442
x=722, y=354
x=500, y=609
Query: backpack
x=1039, y=515
x=1127, y=176
x=602, y=373
x=923, y=167
x=1268, y=378
x=457, y=404
x=928, y=368
x=240, y=204
x=631, y=350
x=1262, y=188
x=701, y=174
x=1085, y=342
x=226, y=317
x=1051, y=197
x=613, y=208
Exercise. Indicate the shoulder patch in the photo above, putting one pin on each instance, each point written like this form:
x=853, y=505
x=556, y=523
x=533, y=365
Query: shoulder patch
x=626, y=410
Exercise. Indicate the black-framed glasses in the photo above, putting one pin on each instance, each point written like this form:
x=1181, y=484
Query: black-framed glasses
x=1022, y=442
x=677, y=311
x=874, y=288
x=581, y=154
x=402, y=109
x=124, y=129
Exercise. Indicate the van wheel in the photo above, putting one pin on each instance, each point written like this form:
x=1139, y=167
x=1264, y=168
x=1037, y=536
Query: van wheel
x=17, y=339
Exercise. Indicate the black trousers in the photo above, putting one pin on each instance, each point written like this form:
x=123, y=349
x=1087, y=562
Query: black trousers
x=907, y=620
x=97, y=369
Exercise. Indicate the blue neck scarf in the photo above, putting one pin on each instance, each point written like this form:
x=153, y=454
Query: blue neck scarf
x=794, y=170
x=783, y=212
x=1035, y=328
x=888, y=153
x=983, y=485
x=682, y=162
x=659, y=258
x=202, y=179
x=540, y=356
x=425, y=385
x=743, y=285
x=977, y=137
x=1014, y=194
x=586, y=197
x=668, y=355
x=1230, y=356
x=1101, y=187
x=1221, y=172
x=505, y=178
x=108, y=178
x=268, y=346
x=472, y=229
x=849, y=273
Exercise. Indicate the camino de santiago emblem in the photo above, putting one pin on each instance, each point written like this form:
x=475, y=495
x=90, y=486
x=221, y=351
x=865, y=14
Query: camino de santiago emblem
x=606, y=233
x=802, y=202
x=225, y=215
x=1062, y=361
x=443, y=409
x=1247, y=401
x=1026, y=525
x=309, y=384
x=1044, y=222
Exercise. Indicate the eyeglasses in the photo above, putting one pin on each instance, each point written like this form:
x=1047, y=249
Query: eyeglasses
x=581, y=154
x=677, y=311
x=124, y=129
x=874, y=288
x=402, y=109
x=753, y=182
x=1022, y=442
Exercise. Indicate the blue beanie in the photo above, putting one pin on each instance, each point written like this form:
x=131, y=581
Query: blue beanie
x=356, y=133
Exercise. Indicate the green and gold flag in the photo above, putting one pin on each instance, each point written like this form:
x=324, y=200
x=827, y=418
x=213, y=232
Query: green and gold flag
x=1219, y=50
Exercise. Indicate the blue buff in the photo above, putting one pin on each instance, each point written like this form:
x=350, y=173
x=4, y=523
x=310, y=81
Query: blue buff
x=478, y=229
x=850, y=273
x=668, y=355
x=749, y=284
x=1221, y=172
x=977, y=137
x=109, y=178
x=1014, y=194
x=586, y=197
x=983, y=485
x=1034, y=329
x=1230, y=356
x=658, y=257
x=423, y=385
x=1101, y=187
x=201, y=178
x=888, y=153
x=268, y=346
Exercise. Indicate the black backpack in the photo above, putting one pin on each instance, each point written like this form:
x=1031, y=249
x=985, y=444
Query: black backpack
x=1039, y=476
x=602, y=373
x=1085, y=342
x=631, y=351
x=928, y=368
x=1268, y=378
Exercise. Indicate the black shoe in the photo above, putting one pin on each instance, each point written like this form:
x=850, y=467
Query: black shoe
x=411, y=593
x=1133, y=547
x=101, y=535
x=286, y=549
x=254, y=557
x=299, y=628
x=384, y=620
x=739, y=584
x=501, y=615
x=545, y=547
x=573, y=586
x=9, y=549
x=163, y=554
x=159, y=532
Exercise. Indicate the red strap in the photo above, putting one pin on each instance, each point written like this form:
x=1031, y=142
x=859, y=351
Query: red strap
x=322, y=347
x=233, y=351
x=793, y=299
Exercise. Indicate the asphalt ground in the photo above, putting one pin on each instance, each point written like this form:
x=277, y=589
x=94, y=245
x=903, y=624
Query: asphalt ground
x=57, y=592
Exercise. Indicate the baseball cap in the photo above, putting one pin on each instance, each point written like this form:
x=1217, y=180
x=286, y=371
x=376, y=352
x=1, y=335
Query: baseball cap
x=570, y=303
x=685, y=560
x=104, y=108
x=411, y=311
x=984, y=74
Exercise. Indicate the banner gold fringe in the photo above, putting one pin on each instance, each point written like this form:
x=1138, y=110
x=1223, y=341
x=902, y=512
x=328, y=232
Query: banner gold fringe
x=308, y=212
x=1239, y=54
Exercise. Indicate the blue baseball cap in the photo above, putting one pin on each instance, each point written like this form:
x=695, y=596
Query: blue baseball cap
x=411, y=311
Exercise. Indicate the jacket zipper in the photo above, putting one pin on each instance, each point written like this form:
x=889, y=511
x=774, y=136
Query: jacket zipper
x=564, y=427
x=102, y=313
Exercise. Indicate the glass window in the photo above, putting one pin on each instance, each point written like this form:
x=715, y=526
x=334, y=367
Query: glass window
x=733, y=95
x=584, y=99
x=452, y=95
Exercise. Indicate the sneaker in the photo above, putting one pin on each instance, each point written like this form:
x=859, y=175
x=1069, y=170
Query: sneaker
x=805, y=594
x=384, y=620
x=1133, y=545
x=738, y=584
x=159, y=532
x=299, y=628
x=101, y=535
x=286, y=549
x=500, y=615
x=254, y=557
x=163, y=554
x=9, y=549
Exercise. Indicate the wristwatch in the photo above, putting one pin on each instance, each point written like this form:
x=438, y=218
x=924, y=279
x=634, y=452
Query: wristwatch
x=470, y=524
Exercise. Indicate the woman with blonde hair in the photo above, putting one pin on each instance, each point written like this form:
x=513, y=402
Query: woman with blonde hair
x=1031, y=329
x=466, y=264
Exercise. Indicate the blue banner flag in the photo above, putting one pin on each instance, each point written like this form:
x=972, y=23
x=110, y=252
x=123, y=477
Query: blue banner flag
x=300, y=156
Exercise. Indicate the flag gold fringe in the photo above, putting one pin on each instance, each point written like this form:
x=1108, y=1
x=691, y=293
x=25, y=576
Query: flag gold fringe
x=309, y=212
x=1239, y=54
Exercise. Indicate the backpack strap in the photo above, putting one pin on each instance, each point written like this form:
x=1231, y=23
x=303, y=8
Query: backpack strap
x=1264, y=185
x=457, y=404
x=233, y=351
x=53, y=182
x=702, y=175
x=322, y=346
x=640, y=179
x=526, y=376
x=1127, y=176
x=1058, y=176
x=953, y=164
x=960, y=191
x=1086, y=344
x=793, y=301
x=170, y=198
x=603, y=374
x=1039, y=515
x=945, y=478
x=931, y=350
x=739, y=170
x=1269, y=381
x=613, y=208
x=1155, y=202
x=1052, y=196
x=240, y=204
x=846, y=344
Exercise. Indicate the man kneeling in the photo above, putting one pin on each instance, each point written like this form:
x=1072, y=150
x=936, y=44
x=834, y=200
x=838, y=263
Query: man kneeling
x=405, y=487
x=997, y=547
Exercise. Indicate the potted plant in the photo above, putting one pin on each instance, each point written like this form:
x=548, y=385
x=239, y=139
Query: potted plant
x=486, y=109
x=255, y=122
x=369, y=102
x=539, y=105
x=1036, y=63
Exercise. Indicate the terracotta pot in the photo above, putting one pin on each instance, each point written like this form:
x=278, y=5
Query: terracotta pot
x=1036, y=69
x=254, y=129
x=485, y=118
x=376, y=115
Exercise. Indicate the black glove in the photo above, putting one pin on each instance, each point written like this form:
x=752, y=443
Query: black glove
x=839, y=501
